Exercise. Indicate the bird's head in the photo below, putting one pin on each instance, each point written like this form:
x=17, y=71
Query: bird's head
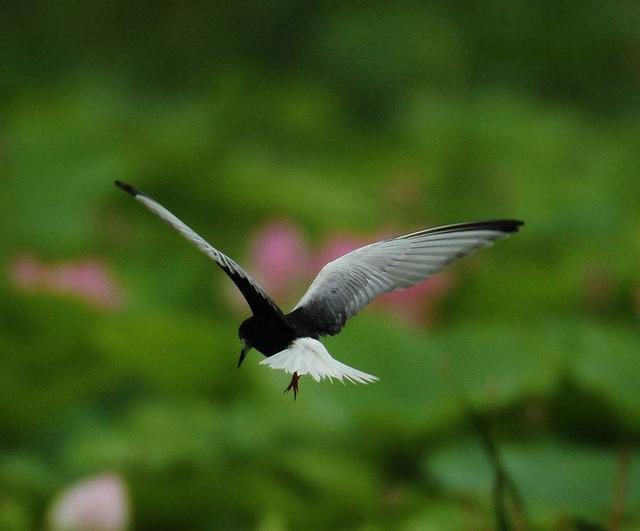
x=243, y=333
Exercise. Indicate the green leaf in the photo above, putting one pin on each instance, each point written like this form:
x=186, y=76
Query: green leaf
x=556, y=480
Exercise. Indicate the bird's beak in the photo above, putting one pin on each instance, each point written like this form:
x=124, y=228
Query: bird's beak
x=245, y=348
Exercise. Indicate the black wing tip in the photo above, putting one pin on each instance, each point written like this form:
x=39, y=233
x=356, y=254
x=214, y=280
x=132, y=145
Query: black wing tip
x=128, y=188
x=506, y=226
x=503, y=225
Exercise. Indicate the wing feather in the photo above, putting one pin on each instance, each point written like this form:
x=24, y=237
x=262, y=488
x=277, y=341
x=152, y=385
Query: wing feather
x=346, y=285
x=258, y=300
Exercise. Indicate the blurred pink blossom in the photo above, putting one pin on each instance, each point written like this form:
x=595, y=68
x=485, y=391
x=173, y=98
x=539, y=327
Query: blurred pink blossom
x=279, y=256
x=279, y=260
x=418, y=304
x=88, y=280
x=97, y=504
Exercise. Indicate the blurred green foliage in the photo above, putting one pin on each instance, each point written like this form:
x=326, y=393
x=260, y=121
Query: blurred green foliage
x=344, y=118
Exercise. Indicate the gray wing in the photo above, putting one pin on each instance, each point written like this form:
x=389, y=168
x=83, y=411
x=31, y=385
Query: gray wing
x=346, y=285
x=258, y=300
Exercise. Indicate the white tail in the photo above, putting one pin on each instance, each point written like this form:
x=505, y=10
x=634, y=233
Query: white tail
x=309, y=356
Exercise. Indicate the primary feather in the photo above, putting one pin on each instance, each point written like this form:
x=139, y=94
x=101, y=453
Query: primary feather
x=346, y=285
x=259, y=302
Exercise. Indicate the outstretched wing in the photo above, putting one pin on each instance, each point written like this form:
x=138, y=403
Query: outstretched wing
x=258, y=300
x=346, y=285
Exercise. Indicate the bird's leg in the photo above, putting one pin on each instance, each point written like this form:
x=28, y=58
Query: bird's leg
x=293, y=385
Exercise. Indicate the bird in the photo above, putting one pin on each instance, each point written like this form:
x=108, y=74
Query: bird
x=343, y=287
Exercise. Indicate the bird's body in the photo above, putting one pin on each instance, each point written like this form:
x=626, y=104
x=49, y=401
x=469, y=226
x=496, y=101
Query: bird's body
x=342, y=288
x=268, y=334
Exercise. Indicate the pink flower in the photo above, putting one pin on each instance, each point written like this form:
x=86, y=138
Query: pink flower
x=279, y=260
x=279, y=257
x=96, y=504
x=418, y=304
x=87, y=280
x=26, y=273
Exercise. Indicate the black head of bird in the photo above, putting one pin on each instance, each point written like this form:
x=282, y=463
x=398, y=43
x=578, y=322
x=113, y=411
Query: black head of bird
x=342, y=288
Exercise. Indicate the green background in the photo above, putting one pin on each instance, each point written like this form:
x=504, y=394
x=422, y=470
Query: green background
x=342, y=118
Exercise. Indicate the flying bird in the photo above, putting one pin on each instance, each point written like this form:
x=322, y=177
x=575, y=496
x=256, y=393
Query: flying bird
x=342, y=288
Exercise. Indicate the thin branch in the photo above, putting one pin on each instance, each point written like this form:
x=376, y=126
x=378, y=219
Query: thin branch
x=504, y=489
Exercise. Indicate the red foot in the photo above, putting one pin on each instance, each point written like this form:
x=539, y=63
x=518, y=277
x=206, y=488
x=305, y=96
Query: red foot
x=293, y=385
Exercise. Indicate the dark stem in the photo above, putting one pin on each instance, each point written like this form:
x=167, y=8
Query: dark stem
x=620, y=488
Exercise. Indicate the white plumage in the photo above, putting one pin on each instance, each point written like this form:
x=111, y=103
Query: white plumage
x=309, y=356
